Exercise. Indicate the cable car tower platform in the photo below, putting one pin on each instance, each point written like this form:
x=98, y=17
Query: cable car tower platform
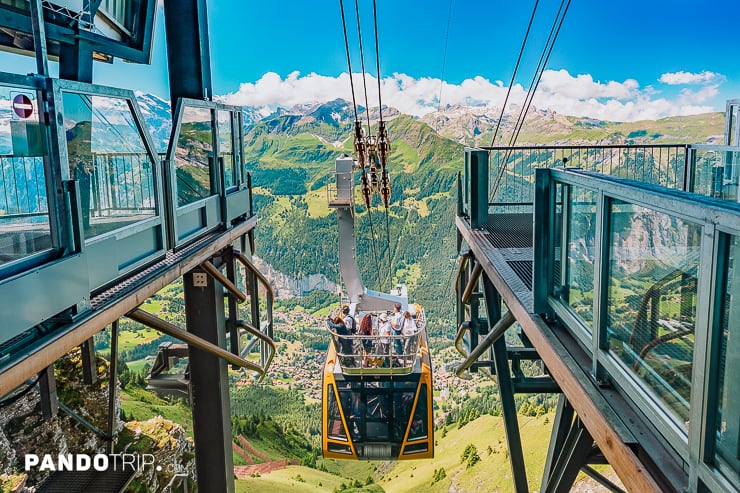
x=619, y=271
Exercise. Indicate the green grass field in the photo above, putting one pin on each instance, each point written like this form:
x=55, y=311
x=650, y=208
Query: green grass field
x=128, y=339
x=296, y=479
x=492, y=473
x=142, y=404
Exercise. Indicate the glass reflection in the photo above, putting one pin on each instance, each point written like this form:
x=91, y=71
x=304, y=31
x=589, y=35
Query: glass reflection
x=194, y=156
x=581, y=247
x=108, y=159
x=651, y=313
x=225, y=149
x=728, y=399
x=24, y=209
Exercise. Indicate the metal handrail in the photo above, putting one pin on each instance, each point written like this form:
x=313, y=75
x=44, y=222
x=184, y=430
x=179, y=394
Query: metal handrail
x=217, y=275
x=263, y=280
x=495, y=334
x=139, y=315
x=474, y=276
x=398, y=361
x=262, y=337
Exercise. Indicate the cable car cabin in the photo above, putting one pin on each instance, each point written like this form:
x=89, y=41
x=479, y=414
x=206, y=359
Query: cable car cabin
x=377, y=395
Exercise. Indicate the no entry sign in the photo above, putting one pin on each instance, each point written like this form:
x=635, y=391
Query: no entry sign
x=22, y=106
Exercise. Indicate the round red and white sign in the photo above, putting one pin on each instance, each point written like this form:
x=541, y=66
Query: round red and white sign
x=22, y=106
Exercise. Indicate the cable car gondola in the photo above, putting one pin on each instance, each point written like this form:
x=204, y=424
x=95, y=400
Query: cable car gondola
x=377, y=387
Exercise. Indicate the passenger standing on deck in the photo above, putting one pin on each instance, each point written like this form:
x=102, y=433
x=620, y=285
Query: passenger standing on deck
x=384, y=330
x=349, y=321
x=397, y=327
x=366, y=329
x=345, y=343
x=409, y=329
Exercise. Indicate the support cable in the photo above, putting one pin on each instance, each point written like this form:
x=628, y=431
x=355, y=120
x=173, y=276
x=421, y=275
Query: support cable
x=377, y=58
x=444, y=62
x=544, y=58
x=349, y=61
x=362, y=60
x=516, y=68
x=382, y=142
x=375, y=252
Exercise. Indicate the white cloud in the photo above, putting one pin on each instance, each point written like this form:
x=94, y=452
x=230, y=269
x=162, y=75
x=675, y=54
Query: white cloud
x=676, y=78
x=575, y=95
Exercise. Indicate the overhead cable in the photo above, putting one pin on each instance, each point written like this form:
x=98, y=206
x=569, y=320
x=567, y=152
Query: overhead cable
x=513, y=75
x=362, y=60
x=377, y=58
x=349, y=61
x=537, y=77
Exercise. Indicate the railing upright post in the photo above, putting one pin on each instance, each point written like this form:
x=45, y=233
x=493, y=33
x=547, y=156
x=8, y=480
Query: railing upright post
x=478, y=177
x=543, y=198
x=689, y=168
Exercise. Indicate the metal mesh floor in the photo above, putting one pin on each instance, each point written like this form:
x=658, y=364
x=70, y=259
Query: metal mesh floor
x=111, y=481
x=523, y=269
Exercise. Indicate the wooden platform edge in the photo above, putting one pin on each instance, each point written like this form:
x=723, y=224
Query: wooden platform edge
x=633, y=474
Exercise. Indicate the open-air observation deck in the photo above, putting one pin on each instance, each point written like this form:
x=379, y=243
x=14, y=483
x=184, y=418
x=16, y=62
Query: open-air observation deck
x=619, y=268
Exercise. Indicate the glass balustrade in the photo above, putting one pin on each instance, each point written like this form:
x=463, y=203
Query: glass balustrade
x=109, y=160
x=194, y=156
x=651, y=300
x=24, y=208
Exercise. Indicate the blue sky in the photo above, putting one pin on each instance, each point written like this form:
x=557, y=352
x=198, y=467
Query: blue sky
x=621, y=60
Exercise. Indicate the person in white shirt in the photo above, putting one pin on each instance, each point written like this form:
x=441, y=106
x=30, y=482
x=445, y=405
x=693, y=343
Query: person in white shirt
x=384, y=330
x=397, y=328
x=409, y=329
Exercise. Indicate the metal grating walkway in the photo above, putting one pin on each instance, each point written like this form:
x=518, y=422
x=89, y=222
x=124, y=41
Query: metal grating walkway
x=511, y=236
x=114, y=480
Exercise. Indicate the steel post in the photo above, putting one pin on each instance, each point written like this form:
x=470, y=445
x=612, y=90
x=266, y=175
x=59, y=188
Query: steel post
x=48, y=390
x=204, y=316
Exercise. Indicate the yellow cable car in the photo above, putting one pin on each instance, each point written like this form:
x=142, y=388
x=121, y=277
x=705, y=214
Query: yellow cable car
x=377, y=395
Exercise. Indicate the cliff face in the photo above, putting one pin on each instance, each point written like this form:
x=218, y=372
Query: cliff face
x=288, y=287
x=23, y=430
x=172, y=450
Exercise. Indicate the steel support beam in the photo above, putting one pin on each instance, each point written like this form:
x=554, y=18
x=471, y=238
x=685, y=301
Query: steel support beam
x=233, y=314
x=204, y=316
x=188, y=51
x=571, y=458
x=563, y=422
x=48, y=390
x=478, y=182
x=505, y=385
x=89, y=364
x=39, y=38
x=75, y=61
x=112, y=386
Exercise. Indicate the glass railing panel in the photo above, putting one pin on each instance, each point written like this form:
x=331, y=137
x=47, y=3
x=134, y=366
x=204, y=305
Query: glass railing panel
x=651, y=307
x=557, y=234
x=194, y=156
x=24, y=208
x=716, y=172
x=225, y=149
x=511, y=170
x=109, y=160
x=727, y=435
x=581, y=249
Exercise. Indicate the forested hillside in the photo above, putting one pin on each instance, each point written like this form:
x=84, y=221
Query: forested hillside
x=292, y=158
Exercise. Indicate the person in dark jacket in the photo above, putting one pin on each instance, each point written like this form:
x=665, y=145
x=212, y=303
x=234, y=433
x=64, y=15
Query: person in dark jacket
x=345, y=343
